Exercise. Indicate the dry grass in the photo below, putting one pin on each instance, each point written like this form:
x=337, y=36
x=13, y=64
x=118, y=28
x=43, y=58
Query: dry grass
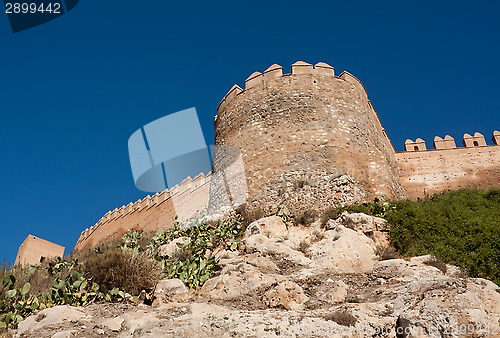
x=307, y=217
x=128, y=270
x=249, y=214
x=343, y=318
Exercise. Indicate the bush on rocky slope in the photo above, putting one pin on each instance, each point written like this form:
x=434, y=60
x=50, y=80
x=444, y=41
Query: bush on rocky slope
x=460, y=227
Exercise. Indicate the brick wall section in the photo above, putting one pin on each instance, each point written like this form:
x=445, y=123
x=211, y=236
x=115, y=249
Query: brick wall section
x=306, y=124
x=426, y=172
x=34, y=249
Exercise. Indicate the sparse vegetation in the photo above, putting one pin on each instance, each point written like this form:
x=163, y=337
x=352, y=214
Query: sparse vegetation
x=307, y=217
x=437, y=263
x=459, y=227
x=118, y=270
x=247, y=214
x=129, y=270
x=343, y=318
x=386, y=252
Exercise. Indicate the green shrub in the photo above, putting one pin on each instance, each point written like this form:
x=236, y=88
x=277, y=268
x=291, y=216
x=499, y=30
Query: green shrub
x=460, y=227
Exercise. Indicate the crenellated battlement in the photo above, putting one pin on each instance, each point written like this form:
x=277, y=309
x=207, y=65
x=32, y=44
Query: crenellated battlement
x=448, y=142
x=188, y=186
x=275, y=71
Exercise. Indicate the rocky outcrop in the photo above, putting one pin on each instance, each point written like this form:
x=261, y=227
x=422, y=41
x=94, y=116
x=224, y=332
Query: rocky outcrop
x=298, y=282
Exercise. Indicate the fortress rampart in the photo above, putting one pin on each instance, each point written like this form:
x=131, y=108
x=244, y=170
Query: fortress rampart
x=309, y=126
x=151, y=213
x=446, y=167
x=309, y=139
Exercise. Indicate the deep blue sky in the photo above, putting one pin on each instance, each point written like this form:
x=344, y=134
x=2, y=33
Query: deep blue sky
x=72, y=91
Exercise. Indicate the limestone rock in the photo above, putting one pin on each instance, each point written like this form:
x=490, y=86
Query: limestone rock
x=265, y=245
x=168, y=290
x=51, y=316
x=238, y=280
x=287, y=294
x=375, y=228
x=173, y=246
x=270, y=227
x=113, y=324
x=63, y=334
x=139, y=322
x=343, y=251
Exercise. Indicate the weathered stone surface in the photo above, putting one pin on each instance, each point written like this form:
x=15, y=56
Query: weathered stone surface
x=63, y=334
x=265, y=245
x=172, y=247
x=362, y=222
x=314, y=128
x=343, y=251
x=51, y=316
x=168, y=290
x=287, y=294
x=272, y=226
x=113, y=324
x=272, y=290
x=238, y=280
x=139, y=322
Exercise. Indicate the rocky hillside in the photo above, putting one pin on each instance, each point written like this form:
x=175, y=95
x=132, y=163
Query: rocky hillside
x=298, y=281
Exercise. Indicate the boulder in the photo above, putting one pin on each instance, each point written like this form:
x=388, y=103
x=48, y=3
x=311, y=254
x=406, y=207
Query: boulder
x=265, y=245
x=236, y=281
x=170, y=248
x=390, y=268
x=113, y=324
x=362, y=222
x=343, y=251
x=287, y=294
x=270, y=227
x=168, y=290
x=51, y=316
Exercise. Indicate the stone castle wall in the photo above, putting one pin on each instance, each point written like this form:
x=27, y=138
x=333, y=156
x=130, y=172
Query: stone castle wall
x=151, y=213
x=308, y=139
x=305, y=129
x=446, y=167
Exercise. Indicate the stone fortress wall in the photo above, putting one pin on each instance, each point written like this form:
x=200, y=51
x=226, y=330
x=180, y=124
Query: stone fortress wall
x=446, y=167
x=151, y=213
x=309, y=126
x=311, y=139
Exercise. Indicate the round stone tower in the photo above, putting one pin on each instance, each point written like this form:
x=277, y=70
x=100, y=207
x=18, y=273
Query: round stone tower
x=309, y=139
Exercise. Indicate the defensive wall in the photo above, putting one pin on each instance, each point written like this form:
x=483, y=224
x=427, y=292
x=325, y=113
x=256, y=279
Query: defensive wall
x=307, y=128
x=308, y=139
x=151, y=213
x=448, y=167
